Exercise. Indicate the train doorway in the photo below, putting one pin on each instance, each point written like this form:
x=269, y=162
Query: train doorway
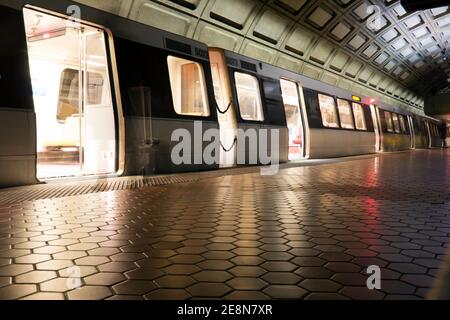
x=292, y=107
x=225, y=109
x=75, y=123
x=377, y=126
x=412, y=132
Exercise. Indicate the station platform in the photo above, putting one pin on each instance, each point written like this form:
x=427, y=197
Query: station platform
x=309, y=232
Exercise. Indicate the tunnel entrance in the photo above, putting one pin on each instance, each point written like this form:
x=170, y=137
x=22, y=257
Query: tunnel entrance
x=75, y=125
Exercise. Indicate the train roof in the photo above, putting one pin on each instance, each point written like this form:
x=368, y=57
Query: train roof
x=268, y=70
x=120, y=27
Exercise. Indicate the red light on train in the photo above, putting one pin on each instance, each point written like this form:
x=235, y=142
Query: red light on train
x=47, y=35
x=370, y=101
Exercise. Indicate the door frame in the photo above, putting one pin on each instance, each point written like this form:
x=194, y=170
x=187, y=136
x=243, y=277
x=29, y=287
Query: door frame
x=304, y=154
x=114, y=84
x=377, y=127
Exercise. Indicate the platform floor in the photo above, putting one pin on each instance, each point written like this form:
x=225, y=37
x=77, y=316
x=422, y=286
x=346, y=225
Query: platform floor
x=309, y=232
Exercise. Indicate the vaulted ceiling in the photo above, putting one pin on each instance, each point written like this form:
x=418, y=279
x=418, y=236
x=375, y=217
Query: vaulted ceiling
x=371, y=46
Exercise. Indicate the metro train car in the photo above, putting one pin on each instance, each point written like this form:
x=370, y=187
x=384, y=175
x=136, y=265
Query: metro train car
x=103, y=96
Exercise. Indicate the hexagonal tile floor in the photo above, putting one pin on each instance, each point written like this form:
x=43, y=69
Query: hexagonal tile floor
x=308, y=232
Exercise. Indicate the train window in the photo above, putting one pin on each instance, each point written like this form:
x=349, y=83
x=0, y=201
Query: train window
x=187, y=81
x=95, y=88
x=249, y=97
x=396, y=122
x=328, y=111
x=402, y=123
x=389, y=124
x=68, y=101
x=360, y=120
x=345, y=114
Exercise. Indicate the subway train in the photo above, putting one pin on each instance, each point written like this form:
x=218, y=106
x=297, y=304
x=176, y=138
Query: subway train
x=98, y=95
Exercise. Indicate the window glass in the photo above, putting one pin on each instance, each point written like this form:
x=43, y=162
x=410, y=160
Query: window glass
x=68, y=101
x=396, y=122
x=249, y=97
x=360, y=120
x=187, y=81
x=402, y=123
x=389, y=125
x=328, y=111
x=95, y=88
x=345, y=114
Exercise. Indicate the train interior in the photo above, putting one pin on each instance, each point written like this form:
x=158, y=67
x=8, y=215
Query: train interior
x=75, y=121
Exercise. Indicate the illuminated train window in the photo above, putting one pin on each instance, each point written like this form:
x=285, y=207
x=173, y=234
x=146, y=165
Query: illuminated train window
x=328, y=111
x=249, y=97
x=389, y=124
x=187, y=82
x=360, y=120
x=396, y=122
x=345, y=114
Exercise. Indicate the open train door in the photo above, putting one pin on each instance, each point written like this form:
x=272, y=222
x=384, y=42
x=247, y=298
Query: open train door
x=377, y=126
x=294, y=117
x=225, y=108
x=75, y=119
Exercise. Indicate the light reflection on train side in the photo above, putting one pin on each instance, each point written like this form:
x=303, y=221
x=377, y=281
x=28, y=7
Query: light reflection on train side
x=371, y=205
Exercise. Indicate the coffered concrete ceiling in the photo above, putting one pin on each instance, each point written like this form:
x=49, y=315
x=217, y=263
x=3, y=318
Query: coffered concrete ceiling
x=369, y=46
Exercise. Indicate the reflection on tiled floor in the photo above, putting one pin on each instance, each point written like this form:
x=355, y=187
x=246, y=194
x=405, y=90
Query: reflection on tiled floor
x=309, y=232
